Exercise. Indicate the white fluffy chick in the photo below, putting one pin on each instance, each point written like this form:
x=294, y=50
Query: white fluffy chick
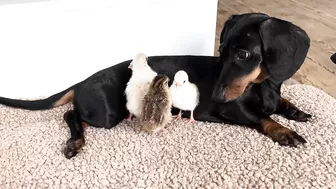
x=185, y=95
x=138, y=85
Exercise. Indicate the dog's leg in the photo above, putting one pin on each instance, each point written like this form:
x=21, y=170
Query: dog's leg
x=290, y=111
x=279, y=133
x=76, y=141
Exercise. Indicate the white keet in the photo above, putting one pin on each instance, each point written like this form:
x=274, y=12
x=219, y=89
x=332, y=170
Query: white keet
x=138, y=85
x=185, y=95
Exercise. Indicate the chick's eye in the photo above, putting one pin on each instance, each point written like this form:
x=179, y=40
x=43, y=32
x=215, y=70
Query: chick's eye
x=243, y=54
x=183, y=81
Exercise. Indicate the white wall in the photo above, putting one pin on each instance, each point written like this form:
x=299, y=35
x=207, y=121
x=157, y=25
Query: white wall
x=47, y=46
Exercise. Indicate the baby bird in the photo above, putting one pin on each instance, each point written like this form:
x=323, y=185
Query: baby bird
x=138, y=85
x=157, y=103
x=185, y=95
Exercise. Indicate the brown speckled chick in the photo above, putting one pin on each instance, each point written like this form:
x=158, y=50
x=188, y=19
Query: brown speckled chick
x=157, y=103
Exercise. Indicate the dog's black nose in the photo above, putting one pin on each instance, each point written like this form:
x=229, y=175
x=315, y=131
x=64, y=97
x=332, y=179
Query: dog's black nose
x=333, y=58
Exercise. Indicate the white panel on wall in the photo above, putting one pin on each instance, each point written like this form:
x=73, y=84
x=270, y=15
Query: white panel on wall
x=48, y=46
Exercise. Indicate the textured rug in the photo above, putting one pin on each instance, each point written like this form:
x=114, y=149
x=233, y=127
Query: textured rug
x=201, y=155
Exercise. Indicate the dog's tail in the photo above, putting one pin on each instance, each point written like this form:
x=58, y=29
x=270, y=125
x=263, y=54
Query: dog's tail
x=53, y=101
x=333, y=58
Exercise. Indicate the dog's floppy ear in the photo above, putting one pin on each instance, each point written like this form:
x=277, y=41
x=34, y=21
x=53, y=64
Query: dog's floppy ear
x=233, y=23
x=285, y=47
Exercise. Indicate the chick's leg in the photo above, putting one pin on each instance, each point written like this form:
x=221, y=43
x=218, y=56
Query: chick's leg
x=179, y=115
x=129, y=117
x=191, y=117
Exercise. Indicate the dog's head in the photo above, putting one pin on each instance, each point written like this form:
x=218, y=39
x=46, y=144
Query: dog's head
x=255, y=47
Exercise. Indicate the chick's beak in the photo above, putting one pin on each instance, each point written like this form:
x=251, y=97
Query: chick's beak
x=178, y=85
x=130, y=67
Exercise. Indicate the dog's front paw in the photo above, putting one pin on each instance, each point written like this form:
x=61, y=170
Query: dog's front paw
x=287, y=137
x=72, y=147
x=298, y=115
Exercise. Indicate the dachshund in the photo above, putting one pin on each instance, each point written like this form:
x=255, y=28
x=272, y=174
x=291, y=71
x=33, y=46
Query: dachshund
x=241, y=86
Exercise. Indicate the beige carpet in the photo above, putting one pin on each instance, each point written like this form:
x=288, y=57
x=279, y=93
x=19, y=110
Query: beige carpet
x=198, y=156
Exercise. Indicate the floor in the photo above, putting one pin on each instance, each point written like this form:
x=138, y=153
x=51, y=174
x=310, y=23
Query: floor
x=316, y=17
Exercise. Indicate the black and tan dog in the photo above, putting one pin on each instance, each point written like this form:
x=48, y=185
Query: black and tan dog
x=241, y=86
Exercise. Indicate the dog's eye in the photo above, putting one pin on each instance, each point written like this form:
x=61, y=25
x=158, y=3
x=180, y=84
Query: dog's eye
x=243, y=54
